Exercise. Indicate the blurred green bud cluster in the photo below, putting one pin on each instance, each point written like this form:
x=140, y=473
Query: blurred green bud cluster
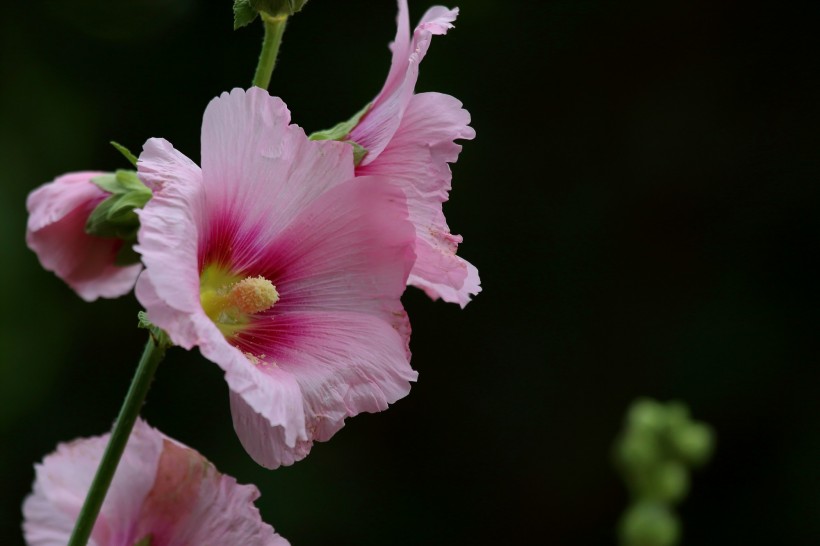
x=649, y=523
x=660, y=443
x=245, y=11
x=115, y=216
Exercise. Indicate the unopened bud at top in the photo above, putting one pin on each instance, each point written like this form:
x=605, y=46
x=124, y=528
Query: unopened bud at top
x=245, y=11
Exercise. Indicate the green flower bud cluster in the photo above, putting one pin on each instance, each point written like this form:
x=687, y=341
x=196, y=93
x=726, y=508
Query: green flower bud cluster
x=654, y=453
x=115, y=216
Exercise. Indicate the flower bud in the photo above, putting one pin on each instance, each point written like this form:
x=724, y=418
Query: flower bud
x=649, y=524
x=57, y=232
x=693, y=443
x=637, y=449
x=647, y=415
x=676, y=415
x=667, y=482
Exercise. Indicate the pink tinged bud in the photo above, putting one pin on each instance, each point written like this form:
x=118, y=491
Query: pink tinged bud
x=58, y=212
x=163, y=494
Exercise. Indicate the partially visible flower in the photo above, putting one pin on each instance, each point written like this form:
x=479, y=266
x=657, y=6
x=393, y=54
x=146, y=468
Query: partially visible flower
x=410, y=137
x=163, y=494
x=58, y=212
x=283, y=269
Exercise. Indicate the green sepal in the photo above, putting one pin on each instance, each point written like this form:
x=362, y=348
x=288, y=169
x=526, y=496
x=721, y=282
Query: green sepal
x=125, y=152
x=107, y=183
x=102, y=223
x=243, y=13
x=121, y=182
x=115, y=216
x=163, y=342
x=358, y=152
x=146, y=541
x=123, y=206
x=143, y=322
x=340, y=132
x=278, y=8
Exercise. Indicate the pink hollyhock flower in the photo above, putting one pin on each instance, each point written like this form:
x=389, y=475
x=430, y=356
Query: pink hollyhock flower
x=283, y=269
x=411, y=138
x=163, y=494
x=58, y=212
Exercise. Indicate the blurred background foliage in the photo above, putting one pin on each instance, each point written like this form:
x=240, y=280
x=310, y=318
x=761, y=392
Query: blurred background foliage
x=641, y=201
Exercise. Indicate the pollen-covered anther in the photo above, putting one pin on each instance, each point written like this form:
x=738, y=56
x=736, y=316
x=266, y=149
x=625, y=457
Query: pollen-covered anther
x=255, y=360
x=253, y=295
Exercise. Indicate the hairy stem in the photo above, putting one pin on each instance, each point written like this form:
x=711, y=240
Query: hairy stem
x=274, y=28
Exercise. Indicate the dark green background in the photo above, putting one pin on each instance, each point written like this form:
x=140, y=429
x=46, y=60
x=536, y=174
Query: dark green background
x=641, y=201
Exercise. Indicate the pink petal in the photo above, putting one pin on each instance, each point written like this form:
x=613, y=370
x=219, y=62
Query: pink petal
x=445, y=291
x=169, y=287
x=377, y=127
x=160, y=163
x=161, y=488
x=417, y=158
x=269, y=202
x=340, y=270
x=192, y=503
x=56, y=233
x=253, y=160
x=273, y=393
x=185, y=327
x=348, y=250
x=399, y=48
x=344, y=364
x=63, y=479
x=265, y=444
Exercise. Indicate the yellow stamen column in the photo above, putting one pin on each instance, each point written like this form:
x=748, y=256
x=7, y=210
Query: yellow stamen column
x=230, y=304
x=253, y=295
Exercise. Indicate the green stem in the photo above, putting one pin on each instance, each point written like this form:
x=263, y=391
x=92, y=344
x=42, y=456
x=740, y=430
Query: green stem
x=274, y=28
x=151, y=357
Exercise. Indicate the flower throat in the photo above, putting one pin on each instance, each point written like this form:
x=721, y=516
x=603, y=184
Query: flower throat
x=229, y=300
